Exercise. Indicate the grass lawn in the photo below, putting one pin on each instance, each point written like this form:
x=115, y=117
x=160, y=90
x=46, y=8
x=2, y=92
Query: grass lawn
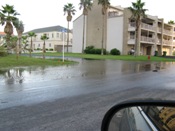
x=121, y=57
x=11, y=61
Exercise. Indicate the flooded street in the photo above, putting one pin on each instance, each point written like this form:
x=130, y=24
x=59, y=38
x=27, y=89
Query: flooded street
x=76, y=97
x=85, y=68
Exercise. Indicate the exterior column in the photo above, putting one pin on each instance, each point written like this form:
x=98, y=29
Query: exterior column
x=162, y=30
x=156, y=38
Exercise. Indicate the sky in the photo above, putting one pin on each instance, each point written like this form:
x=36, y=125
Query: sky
x=44, y=13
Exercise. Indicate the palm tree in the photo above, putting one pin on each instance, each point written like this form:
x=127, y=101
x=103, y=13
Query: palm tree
x=8, y=15
x=138, y=12
x=25, y=41
x=20, y=29
x=13, y=43
x=70, y=10
x=44, y=38
x=171, y=22
x=86, y=5
x=105, y=5
x=31, y=35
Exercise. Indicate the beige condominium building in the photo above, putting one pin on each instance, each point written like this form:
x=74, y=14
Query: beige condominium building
x=155, y=34
x=55, y=41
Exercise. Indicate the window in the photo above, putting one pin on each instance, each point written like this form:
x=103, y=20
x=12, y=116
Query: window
x=38, y=45
x=50, y=44
x=57, y=35
x=52, y=35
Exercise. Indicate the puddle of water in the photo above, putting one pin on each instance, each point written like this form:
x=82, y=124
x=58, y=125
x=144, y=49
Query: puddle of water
x=83, y=69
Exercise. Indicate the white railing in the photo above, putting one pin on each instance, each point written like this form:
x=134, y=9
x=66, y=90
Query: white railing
x=132, y=37
x=167, y=42
x=147, y=39
x=132, y=24
x=147, y=26
x=167, y=32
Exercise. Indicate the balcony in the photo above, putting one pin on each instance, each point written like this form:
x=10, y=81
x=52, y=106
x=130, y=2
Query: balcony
x=131, y=39
x=173, y=43
x=159, y=41
x=147, y=26
x=131, y=26
x=167, y=32
x=167, y=42
x=147, y=39
x=159, y=29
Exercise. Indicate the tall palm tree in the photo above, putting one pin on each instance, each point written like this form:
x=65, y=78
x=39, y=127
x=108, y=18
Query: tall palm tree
x=20, y=29
x=44, y=38
x=8, y=15
x=138, y=12
x=70, y=10
x=86, y=5
x=171, y=22
x=31, y=35
x=105, y=5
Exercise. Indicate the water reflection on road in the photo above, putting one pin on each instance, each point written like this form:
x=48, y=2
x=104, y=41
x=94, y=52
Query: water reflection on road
x=85, y=68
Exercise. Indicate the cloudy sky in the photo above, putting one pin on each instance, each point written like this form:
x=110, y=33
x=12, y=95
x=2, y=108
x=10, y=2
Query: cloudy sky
x=44, y=13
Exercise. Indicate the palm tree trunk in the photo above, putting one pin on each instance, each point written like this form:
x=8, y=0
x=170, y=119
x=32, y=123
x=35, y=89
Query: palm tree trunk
x=20, y=45
x=136, y=42
x=83, y=33
x=137, y=37
x=8, y=43
x=31, y=47
x=44, y=50
x=67, y=35
x=17, y=50
x=102, y=43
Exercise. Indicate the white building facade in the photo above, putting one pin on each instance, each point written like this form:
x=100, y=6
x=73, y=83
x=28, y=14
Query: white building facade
x=155, y=34
x=55, y=41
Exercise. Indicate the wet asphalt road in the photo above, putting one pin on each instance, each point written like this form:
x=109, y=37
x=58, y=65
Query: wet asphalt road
x=78, y=100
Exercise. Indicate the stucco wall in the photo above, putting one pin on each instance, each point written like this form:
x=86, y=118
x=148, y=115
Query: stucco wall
x=94, y=26
x=78, y=35
x=115, y=33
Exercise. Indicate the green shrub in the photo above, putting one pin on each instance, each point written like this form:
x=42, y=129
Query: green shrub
x=50, y=49
x=88, y=49
x=164, y=53
x=92, y=50
x=98, y=51
x=173, y=52
x=47, y=49
x=155, y=53
x=115, y=52
x=2, y=51
x=38, y=49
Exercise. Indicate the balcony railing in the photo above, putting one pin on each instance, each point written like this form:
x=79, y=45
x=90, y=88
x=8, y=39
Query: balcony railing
x=147, y=26
x=147, y=39
x=132, y=37
x=132, y=24
x=167, y=32
x=167, y=42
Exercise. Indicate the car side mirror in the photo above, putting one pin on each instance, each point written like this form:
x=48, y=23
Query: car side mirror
x=145, y=115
